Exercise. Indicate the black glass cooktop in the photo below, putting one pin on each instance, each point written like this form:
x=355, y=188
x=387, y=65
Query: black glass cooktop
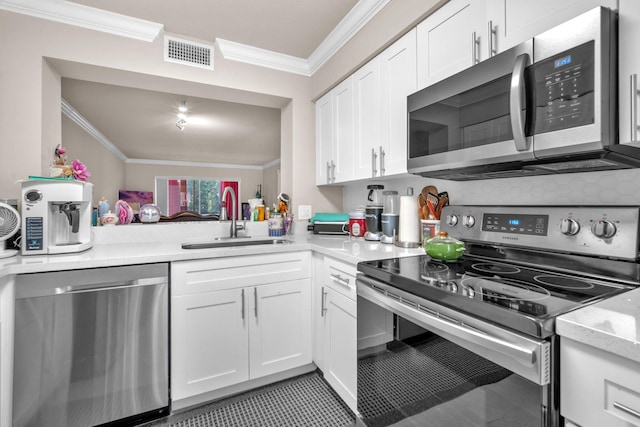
x=496, y=291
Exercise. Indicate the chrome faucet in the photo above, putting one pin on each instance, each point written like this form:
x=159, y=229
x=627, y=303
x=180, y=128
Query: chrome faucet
x=234, y=207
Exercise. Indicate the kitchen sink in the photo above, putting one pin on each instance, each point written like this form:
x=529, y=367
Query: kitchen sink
x=240, y=241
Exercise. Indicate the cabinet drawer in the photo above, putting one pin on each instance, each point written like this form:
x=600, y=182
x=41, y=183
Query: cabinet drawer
x=340, y=276
x=190, y=277
x=598, y=388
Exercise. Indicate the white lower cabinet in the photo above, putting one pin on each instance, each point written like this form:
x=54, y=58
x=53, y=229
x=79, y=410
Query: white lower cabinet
x=598, y=388
x=340, y=341
x=230, y=323
x=336, y=310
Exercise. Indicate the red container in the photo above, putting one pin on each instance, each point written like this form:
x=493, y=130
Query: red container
x=357, y=224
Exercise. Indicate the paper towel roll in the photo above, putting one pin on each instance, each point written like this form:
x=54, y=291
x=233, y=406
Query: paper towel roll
x=409, y=227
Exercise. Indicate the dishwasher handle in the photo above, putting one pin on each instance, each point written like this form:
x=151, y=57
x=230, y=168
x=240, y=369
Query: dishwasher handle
x=97, y=287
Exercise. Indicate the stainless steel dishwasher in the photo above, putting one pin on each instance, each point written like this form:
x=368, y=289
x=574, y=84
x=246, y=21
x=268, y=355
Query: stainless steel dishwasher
x=91, y=346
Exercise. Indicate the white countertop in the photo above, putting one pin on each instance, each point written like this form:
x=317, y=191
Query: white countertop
x=150, y=243
x=611, y=325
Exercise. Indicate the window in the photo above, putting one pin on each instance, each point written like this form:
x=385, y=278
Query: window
x=191, y=194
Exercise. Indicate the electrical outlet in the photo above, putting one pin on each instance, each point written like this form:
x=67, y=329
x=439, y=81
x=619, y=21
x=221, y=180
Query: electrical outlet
x=304, y=212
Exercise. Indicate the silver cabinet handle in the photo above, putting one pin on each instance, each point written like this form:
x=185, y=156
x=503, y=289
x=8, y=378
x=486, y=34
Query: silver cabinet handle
x=492, y=39
x=634, y=107
x=626, y=409
x=242, y=310
x=339, y=279
x=333, y=172
x=328, y=173
x=374, y=157
x=255, y=300
x=323, y=302
x=516, y=97
x=475, y=44
x=382, y=154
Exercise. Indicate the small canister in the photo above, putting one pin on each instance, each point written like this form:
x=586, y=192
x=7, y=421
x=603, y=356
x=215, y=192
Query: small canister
x=276, y=225
x=260, y=212
x=357, y=224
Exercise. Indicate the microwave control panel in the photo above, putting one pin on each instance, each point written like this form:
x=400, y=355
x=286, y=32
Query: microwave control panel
x=564, y=90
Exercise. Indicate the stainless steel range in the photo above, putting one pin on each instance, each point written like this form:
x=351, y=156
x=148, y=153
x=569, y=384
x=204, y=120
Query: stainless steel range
x=473, y=342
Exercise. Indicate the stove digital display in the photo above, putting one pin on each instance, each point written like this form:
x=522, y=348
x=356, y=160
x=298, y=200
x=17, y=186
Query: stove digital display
x=536, y=225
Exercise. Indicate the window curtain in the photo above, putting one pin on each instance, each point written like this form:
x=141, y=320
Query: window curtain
x=228, y=201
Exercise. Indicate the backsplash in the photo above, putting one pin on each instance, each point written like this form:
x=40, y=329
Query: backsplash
x=592, y=188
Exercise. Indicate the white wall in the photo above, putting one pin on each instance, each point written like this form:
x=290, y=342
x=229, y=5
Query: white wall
x=37, y=52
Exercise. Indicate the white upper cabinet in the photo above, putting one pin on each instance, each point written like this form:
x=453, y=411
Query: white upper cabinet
x=325, y=156
x=366, y=88
x=515, y=21
x=450, y=40
x=629, y=70
x=397, y=81
x=343, y=122
x=334, y=135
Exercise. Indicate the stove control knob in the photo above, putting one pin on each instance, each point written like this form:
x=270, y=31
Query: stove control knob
x=468, y=221
x=569, y=227
x=453, y=287
x=603, y=229
x=452, y=220
x=471, y=293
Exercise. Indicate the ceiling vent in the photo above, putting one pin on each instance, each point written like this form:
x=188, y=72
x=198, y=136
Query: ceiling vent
x=188, y=52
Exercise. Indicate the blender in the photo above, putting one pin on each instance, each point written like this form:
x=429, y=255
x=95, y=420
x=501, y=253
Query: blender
x=390, y=216
x=373, y=212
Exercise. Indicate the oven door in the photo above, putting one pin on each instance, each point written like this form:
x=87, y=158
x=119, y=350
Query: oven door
x=443, y=368
x=473, y=118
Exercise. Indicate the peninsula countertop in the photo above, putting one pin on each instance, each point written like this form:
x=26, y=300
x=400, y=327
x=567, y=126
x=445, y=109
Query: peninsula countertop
x=151, y=243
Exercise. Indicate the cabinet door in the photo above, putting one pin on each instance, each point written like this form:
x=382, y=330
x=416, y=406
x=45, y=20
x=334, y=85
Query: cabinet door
x=340, y=336
x=280, y=327
x=629, y=63
x=324, y=139
x=515, y=21
x=209, y=342
x=397, y=81
x=448, y=40
x=366, y=88
x=343, y=123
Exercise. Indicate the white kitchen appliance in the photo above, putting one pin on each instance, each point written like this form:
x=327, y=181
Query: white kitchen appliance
x=56, y=216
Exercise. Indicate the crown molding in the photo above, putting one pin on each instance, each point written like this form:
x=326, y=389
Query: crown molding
x=85, y=125
x=353, y=22
x=101, y=20
x=192, y=164
x=262, y=57
x=87, y=17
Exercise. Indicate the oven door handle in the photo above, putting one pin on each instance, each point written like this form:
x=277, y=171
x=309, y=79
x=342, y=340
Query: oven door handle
x=528, y=355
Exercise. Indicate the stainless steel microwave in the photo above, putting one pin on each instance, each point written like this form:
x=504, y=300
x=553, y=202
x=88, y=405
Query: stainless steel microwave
x=545, y=106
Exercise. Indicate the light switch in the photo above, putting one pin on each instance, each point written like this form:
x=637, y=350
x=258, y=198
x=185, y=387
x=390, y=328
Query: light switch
x=304, y=211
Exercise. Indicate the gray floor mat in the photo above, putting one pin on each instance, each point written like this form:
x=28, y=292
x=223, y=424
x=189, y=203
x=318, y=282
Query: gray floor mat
x=303, y=401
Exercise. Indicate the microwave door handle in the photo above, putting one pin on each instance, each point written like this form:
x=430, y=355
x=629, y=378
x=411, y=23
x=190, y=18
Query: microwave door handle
x=516, y=99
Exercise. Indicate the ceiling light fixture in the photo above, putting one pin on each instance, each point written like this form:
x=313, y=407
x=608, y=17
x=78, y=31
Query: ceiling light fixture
x=182, y=115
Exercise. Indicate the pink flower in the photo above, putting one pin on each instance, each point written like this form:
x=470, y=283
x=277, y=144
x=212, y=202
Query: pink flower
x=60, y=151
x=80, y=171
